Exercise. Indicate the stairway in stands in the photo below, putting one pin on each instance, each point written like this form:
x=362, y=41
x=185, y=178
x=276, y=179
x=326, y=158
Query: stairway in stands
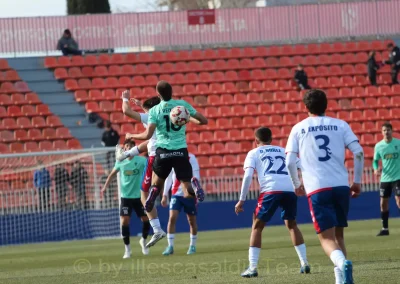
x=61, y=102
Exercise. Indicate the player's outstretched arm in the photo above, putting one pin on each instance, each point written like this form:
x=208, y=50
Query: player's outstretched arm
x=126, y=108
x=146, y=135
x=199, y=119
x=292, y=165
x=109, y=179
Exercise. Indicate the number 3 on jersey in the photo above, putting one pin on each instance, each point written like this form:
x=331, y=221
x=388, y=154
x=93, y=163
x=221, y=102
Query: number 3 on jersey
x=324, y=146
x=170, y=125
x=271, y=162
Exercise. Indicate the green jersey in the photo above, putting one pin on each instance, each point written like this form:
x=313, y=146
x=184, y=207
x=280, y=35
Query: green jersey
x=131, y=174
x=169, y=136
x=390, y=155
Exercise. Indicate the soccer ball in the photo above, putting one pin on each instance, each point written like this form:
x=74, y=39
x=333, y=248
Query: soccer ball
x=179, y=115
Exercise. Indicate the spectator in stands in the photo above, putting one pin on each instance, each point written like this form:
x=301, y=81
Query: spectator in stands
x=61, y=180
x=110, y=136
x=394, y=61
x=372, y=68
x=42, y=182
x=79, y=179
x=110, y=139
x=68, y=45
x=300, y=76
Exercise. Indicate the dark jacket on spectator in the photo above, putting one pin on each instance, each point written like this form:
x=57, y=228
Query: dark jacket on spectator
x=70, y=42
x=79, y=177
x=110, y=138
x=394, y=56
x=301, y=79
x=61, y=177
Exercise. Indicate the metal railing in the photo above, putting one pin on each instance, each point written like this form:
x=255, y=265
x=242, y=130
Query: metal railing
x=222, y=188
x=132, y=32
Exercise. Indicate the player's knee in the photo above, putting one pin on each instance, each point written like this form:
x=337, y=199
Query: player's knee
x=291, y=224
x=144, y=219
x=258, y=225
x=125, y=221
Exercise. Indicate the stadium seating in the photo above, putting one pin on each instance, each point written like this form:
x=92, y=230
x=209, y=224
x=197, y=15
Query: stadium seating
x=238, y=89
x=25, y=121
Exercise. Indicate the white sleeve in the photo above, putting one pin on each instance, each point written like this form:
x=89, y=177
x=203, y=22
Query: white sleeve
x=349, y=136
x=249, y=162
x=298, y=163
x=358, y=153
x=291, y=164
x=292, y=143
x=247, y=178
x=168, y=184
x=144, y=117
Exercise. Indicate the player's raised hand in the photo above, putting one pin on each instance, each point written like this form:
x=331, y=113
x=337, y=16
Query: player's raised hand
x=136, y=102
x=300, y=191
x=128, y=136
x=164, y=201
x=239, y=207
x=355, y=190
x=126, y=94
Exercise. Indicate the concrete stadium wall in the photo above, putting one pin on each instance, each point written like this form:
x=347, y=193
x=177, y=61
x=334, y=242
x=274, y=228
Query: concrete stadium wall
x=60, y=226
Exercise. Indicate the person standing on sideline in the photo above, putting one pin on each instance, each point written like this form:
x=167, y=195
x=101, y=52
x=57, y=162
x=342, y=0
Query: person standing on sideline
x=61, y=180
x=79, y=178
x=387, y=150
x=42, y=182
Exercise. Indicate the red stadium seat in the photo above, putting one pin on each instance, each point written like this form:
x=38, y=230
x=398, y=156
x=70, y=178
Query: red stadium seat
x=38, y=122
x=74, y=144
x=35, y=134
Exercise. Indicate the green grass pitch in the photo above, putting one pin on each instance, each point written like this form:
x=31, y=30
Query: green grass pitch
x=221, y=257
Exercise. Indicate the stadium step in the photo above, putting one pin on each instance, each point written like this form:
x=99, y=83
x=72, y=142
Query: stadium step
x=61, y=102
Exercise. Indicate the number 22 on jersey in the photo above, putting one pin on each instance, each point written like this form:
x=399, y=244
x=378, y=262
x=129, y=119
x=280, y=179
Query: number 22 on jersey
x=274, y=165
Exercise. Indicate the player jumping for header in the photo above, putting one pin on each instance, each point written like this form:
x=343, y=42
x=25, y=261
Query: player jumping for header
x=171, y=150
x=131, y=171
x=320, y=141
x=276, y=191
x=387, y=150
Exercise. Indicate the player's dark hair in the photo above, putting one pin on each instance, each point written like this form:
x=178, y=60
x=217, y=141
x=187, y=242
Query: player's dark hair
x=316, y=101
x=387, y=125
x=164, y=89
x=390, y=45
x=130, y=143
x=149, y=103
x=264, y=134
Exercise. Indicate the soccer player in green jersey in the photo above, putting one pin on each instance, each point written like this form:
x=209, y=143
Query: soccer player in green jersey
x=387, y=150
x=171, y=152
x=131, y=173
